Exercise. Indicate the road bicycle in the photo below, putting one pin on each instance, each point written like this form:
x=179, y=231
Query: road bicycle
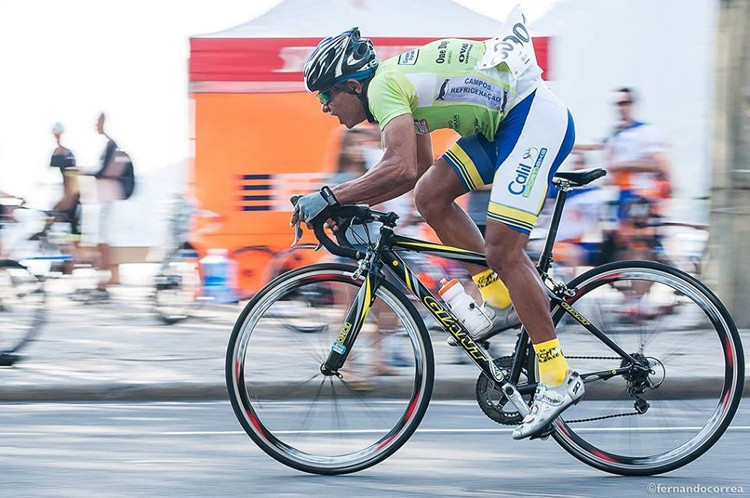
x=22, y=307
x=178, y=287
x=647, y=235
x=644, y=411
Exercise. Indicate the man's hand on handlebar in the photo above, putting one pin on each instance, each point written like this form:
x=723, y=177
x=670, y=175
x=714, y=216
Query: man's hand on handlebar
x=307, y=207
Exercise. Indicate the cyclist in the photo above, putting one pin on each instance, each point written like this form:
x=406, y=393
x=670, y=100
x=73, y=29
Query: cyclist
x=70, y=203
x=514, y=134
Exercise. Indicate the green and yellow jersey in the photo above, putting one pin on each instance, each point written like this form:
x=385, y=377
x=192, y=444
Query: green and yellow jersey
x=440, y=86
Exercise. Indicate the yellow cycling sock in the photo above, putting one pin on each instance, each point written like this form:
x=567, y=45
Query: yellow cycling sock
x=492, y=288
x=553, y=367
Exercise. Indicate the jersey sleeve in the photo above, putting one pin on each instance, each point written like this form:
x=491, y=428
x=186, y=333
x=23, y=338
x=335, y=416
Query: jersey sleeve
x=70, y=160
x=390, y=95
x=654, y=141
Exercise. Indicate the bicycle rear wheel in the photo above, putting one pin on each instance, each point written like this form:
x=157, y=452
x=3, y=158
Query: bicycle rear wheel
x=328, y=424
x=178, y=286
x=22, y=302
x=649, y=423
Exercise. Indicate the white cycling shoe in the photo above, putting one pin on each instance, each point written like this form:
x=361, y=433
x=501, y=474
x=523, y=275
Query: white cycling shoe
x=549, y=402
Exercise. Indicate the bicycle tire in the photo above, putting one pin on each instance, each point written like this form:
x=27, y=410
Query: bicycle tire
x=22, y=306
x=177, y=286
x=676, y=337
x=272, y=422
x=260, y=264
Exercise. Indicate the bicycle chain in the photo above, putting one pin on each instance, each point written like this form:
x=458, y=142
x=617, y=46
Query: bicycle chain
x=593, y=357
x=603, y=417
x=591, y=419
x=615, y=415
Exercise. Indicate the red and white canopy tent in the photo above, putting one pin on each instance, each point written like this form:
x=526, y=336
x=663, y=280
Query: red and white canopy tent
x=267, y=53
x=256, y=129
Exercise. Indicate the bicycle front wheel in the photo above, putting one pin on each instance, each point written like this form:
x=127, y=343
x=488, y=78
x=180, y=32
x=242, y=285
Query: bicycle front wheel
x=177, y=286
x=22, y=302
x=648, y=422
x=331, y=424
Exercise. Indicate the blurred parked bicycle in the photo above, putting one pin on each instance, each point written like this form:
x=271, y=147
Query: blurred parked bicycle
x=22, y=301
x=179, y=284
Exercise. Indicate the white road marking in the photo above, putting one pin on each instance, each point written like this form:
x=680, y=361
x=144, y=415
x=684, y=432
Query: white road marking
x=98, y=432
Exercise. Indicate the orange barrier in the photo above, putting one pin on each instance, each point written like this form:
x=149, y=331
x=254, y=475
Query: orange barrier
x=253, y=150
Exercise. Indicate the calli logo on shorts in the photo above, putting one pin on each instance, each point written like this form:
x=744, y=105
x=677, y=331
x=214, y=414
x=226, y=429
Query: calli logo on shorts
x=526, y=173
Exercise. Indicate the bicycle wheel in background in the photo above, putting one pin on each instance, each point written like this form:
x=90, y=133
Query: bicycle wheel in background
x=258, y=265
x=328, y=424
x=22, y=302
x=644, y=423
x=178, y=286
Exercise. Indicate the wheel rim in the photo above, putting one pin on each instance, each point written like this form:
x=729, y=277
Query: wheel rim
x=680, y=330
x=326, y=422
x=177, y=288
x=21, y=307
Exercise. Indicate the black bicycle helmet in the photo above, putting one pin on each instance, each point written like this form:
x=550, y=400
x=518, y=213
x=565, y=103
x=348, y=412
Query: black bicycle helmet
x=339, y=57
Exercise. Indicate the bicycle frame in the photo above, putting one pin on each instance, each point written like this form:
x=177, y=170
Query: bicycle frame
x=384, y=255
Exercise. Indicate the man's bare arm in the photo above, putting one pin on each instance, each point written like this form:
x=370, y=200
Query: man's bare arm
x=587, y=147
x=395, y=174
x=652, y=163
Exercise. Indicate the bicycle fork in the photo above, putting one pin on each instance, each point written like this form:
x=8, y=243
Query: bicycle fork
x=355, y=319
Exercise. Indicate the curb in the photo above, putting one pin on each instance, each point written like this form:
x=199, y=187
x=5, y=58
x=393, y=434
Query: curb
x=444, y=389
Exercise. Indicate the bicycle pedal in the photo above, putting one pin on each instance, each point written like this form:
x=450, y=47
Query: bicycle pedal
x=9, y=359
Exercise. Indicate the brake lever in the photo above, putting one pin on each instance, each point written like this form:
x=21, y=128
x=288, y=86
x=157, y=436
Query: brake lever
x=297, y=227
x=298, y=234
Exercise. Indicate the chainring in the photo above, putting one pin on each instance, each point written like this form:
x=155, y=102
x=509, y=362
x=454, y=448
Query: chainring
x=493, y=401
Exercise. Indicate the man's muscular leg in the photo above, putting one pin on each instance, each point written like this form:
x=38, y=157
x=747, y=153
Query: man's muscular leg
x=435, y=196
x=506, y=255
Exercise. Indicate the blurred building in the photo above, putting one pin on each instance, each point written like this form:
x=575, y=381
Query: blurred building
x=730, y=214
x=663, y=49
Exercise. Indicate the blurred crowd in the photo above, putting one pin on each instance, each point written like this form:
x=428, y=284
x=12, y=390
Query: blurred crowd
x=57, y=231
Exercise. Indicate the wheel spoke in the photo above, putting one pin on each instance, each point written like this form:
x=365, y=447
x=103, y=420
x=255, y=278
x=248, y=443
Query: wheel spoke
x=346, y=421
x=659, y=317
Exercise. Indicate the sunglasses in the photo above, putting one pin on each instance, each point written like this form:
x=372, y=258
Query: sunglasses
x=624, y=102
x=325, y=96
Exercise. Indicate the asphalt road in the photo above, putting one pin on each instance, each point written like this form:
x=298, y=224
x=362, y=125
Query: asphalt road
x=198, y=449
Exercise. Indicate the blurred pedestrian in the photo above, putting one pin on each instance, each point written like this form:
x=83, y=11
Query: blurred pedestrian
x=69, y=205
x=351, y=162
x=108, y=190
x=636, y=159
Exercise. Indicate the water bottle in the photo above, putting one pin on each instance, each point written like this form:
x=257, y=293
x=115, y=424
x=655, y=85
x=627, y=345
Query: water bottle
x=464, y=307
x=217, y=276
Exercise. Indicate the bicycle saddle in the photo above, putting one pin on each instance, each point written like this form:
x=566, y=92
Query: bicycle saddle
x=581, y=177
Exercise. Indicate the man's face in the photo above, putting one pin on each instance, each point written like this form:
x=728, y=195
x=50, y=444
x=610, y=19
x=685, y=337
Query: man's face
x=345, y=104
x=100, y=125
x=624, y=104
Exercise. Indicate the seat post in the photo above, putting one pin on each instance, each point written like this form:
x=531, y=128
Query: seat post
x=545, y=259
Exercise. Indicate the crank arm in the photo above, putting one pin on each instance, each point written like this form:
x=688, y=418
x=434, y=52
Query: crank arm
x=515, y=397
